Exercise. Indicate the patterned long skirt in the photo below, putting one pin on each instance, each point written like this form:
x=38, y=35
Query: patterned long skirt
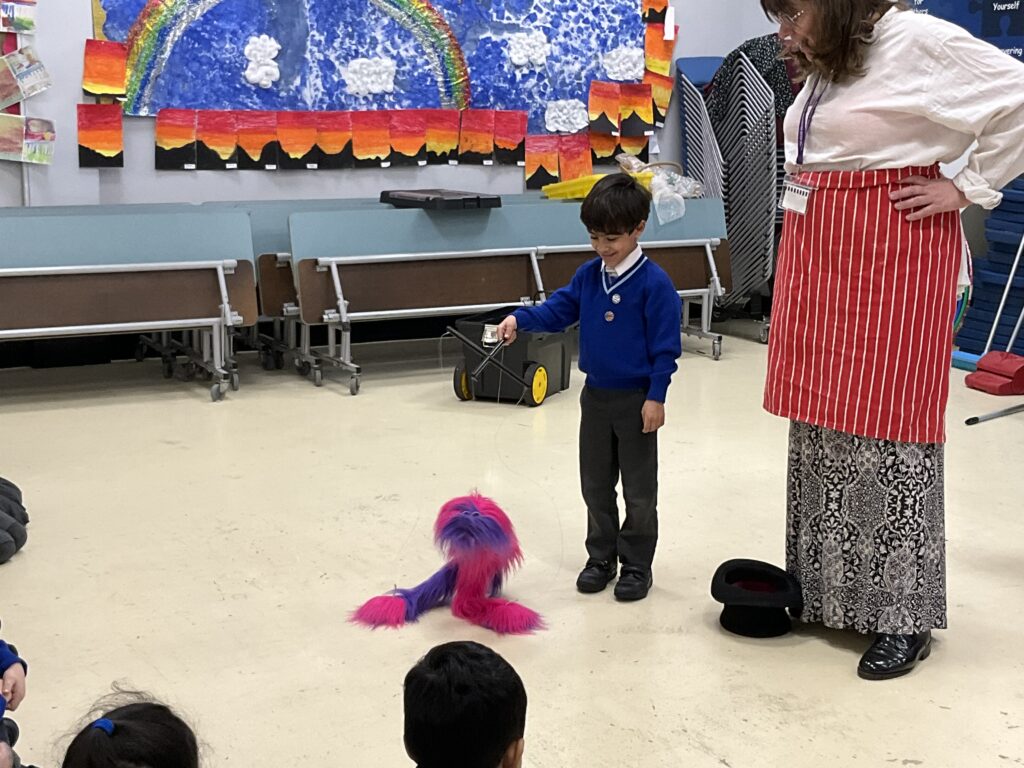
x=865, y=531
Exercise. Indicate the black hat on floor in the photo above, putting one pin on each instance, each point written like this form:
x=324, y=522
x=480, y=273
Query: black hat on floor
x=756, y=597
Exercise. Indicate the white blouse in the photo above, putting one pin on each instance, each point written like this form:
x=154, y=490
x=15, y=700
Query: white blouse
x=931, y=89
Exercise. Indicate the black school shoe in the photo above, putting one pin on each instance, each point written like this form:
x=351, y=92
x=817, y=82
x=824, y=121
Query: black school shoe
x=595, y=576
x=894, y=655
x=634, y=583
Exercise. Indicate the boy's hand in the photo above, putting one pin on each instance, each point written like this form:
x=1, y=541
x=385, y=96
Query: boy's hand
x=654, y=415
x=507, y=329
x=14, y=686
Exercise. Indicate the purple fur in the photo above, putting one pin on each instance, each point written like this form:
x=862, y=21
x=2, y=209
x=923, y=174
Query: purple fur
x=435, y=591
x=470, y=531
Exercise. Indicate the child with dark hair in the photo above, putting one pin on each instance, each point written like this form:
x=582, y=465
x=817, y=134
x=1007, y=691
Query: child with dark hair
x=629, y=315
x=142, y=733
x=465, y=707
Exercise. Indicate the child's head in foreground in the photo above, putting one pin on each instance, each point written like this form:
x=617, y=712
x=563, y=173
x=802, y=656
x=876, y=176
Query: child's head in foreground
x=142, y=734
x=465, y=707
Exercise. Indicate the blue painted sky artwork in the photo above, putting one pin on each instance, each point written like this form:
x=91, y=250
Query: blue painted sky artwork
x=374, y=54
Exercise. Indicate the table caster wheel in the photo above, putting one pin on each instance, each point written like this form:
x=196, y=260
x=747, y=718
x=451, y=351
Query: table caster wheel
x=763, y=336
x=216, y=393
x=266, y=361
x=236, y=381
x=168, y=368
x=353, y=386
x=279, y=360
x=303, y=367
x=318, y=377
x=716, y=349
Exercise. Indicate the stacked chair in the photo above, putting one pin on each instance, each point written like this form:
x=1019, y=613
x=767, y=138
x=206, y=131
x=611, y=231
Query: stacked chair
x=1004, y=231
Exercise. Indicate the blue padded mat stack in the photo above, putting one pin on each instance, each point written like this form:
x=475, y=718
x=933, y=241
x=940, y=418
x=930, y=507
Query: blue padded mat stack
x=1004, y=230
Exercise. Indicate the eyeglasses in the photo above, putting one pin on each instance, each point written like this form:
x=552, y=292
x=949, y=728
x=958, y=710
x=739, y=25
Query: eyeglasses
x=790, y=21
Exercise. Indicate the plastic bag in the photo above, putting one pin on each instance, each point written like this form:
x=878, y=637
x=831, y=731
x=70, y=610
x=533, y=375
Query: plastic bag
x=669, y=187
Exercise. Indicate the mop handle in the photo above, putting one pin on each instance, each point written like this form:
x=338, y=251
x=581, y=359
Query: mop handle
x=1002, y=302
x=1016, y=331
x=994, y=415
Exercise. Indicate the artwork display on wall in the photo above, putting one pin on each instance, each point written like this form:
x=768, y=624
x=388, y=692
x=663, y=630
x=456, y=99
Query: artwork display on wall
x=603, y=148
x=257, y=140
x=366, y=54
x=296, y=136
x=100, y=136
x=574, y=158
x=26, y=139
x=216, y=141
x=277, y=84
x=176, y=140
x=510, y=137
x=476, y=137
x=636, y=110
x=105, y=70
x=371, y=139
x=442, y=136
x=659, y=48
x=18, y=17
x=408, y=137
x=334, y=139
x=22, y=75
x=541, y=160
x=603, y=108
x=661, y=94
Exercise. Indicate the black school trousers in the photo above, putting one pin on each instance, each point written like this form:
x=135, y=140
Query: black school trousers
x=613, y=446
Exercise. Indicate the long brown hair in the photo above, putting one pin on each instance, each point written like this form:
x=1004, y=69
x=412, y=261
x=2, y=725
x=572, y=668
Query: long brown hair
x=842, y=30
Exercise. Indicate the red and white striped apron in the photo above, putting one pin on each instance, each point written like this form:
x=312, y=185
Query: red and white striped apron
x=862, y=317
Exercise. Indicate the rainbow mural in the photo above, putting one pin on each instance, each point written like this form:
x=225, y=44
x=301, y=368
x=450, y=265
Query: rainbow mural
x=159, y=25
x=443, y=51
x=364, y=55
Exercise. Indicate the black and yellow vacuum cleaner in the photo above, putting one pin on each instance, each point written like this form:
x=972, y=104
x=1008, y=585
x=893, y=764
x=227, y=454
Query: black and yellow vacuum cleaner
x=530, y=369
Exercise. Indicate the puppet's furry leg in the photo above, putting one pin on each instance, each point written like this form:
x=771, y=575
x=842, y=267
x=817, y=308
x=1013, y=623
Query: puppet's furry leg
x=472, y=603
x=404, y=605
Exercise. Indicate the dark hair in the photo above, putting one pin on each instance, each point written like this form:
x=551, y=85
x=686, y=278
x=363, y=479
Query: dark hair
x=138, y=734
x=617, y=204
x=464, y=706
x=842, y=31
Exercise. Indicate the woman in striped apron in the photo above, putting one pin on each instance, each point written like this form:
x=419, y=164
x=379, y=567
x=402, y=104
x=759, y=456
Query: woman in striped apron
x=864, y=301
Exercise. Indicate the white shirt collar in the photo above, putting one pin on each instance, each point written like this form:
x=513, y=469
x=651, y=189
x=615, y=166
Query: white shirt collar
x=626, y=264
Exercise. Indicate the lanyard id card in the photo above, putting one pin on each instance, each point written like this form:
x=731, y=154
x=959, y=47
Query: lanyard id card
x=795, y=196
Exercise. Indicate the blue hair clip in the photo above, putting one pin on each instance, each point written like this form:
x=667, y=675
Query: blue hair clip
x=104, y=725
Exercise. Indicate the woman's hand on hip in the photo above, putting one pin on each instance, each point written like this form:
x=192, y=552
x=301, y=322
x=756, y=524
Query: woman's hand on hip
x=927, y=197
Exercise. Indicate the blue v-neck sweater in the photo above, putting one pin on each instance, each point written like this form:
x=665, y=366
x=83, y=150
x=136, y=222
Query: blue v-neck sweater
x=629, y=343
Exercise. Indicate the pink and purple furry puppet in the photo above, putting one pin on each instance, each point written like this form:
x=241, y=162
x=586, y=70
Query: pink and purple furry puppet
x=481, y=549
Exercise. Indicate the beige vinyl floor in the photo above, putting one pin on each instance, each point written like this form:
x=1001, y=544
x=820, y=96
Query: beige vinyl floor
x=210, y=554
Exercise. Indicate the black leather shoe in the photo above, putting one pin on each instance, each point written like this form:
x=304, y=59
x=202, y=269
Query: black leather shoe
x=595, y=576
x=633, y=584
x=894, y=655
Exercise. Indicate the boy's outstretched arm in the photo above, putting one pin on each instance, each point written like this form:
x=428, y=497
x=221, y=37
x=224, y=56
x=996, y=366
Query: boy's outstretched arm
x=561, y=310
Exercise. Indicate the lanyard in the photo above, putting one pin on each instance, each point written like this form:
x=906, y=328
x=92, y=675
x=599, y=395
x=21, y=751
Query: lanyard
x=807, y=116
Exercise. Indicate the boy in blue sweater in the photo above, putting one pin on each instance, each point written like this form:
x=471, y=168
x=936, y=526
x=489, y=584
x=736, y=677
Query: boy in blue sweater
x=629, y=315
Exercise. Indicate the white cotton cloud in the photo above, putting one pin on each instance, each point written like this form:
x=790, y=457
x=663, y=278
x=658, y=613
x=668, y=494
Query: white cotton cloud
x=566, y=116
x=624, y=63
x=261, y=52
x=528, y=49
x=366, y=76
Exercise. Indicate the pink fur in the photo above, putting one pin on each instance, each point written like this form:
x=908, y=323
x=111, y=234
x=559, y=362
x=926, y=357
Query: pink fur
x=381, y=611
x=479, y=555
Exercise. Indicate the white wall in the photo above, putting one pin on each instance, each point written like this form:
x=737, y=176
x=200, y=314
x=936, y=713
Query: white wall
x=707, y=27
